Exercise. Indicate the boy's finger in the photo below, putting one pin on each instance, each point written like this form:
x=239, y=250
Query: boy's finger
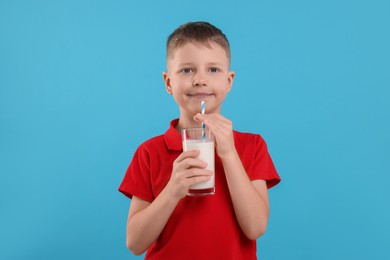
x=199, y=117
x=194, y=163
x=198, y=179
x=187, y=154
x=191, y=173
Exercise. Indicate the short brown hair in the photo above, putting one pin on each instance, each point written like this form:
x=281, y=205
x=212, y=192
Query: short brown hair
x=197, y=32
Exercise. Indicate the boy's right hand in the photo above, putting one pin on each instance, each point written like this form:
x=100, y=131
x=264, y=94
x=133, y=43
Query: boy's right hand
x=187, y=171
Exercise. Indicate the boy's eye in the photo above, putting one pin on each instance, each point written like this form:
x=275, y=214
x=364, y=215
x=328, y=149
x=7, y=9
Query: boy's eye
x=214, y=69
x=187, y=70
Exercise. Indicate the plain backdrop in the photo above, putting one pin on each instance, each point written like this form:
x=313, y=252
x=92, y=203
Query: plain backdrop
x=81, y=87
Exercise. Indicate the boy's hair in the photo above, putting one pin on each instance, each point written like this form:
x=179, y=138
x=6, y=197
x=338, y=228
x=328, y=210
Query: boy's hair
x=199, y=33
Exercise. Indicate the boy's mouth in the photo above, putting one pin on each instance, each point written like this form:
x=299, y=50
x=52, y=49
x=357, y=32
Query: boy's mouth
x=199, y=95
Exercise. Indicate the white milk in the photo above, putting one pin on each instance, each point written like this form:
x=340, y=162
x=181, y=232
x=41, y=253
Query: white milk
x=206, y=149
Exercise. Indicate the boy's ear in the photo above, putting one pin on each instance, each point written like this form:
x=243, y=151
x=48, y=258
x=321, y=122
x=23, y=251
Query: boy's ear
x=230, y=80
x=167, y=82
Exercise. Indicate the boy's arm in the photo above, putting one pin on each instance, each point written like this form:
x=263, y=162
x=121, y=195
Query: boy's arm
x=250, y=198
x=147, y=220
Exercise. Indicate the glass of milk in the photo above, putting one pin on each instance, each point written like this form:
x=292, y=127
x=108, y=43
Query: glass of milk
x=202, y=140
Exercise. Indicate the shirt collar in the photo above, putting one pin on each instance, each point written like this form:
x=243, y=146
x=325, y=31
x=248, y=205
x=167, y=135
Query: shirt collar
x=172, y=137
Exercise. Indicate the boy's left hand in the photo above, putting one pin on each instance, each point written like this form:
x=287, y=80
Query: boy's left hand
x=222, y=130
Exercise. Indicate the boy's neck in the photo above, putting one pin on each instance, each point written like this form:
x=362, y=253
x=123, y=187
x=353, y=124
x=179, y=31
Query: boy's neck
x=186, y=122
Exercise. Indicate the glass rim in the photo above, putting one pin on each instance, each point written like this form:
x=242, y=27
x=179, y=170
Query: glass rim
x=192, y=128
x=195, y=129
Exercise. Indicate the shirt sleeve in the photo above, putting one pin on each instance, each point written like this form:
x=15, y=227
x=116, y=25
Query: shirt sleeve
x=263, y=168
x=136, y=181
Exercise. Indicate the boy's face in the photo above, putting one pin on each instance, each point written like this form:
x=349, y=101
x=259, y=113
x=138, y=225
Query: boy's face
x=196, y=73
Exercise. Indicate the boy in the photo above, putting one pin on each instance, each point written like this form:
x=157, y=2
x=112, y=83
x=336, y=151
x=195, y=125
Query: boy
x=162, y=219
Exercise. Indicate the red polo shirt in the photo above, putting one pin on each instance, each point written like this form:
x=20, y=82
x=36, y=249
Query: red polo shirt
x=199, y=227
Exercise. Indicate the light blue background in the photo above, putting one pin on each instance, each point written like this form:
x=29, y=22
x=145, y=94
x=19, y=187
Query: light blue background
x=81, y=88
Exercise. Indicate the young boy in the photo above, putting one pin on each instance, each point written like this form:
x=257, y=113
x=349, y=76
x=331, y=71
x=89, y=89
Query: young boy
x=162, y=218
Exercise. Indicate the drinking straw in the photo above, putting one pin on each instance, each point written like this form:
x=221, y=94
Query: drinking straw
x=203, y=126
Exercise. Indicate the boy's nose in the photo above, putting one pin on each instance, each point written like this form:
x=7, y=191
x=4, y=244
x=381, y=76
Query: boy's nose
x=199, y=82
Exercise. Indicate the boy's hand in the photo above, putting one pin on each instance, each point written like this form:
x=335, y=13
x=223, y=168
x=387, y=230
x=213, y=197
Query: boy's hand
x=222, y=130
x=187, y=171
